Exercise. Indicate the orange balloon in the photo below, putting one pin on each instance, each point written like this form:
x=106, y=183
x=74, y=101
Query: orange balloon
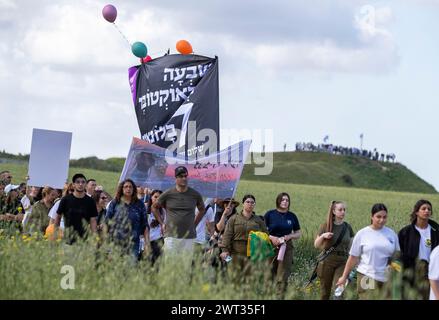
x=184, y=47
x=50, y=232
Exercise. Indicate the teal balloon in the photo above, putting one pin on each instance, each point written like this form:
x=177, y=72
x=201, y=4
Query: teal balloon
x=139, y=49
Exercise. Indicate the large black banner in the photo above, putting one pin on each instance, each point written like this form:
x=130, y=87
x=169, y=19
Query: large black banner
x=175, y=97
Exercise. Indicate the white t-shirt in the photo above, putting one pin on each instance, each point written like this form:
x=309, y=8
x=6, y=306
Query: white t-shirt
x=155, y=233
x=25, y=202
x=424, y=243
x=433, y=270
x=52, y=213
x=201, y=227
x=374, y=247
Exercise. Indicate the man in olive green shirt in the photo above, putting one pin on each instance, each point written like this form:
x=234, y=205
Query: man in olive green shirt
x=180, y=203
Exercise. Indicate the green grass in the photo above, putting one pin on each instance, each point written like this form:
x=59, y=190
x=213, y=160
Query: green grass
x=30, y=269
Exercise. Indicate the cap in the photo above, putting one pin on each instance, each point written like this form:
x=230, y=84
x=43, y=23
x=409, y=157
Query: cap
x=179, y=170
x=226, y=201
x=10, y=187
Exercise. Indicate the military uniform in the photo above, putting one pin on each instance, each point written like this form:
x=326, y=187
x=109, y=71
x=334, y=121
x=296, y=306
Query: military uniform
x=331, y=269
x=38, y=219
x=235, y=237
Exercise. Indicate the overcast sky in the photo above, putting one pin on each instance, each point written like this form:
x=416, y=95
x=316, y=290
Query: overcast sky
x=304, y=69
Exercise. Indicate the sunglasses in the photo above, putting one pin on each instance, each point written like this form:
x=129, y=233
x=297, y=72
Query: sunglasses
x=182, y=176
x=104, y=198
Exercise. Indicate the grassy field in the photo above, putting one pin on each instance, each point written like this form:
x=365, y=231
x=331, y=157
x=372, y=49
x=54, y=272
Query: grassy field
x=30, y=268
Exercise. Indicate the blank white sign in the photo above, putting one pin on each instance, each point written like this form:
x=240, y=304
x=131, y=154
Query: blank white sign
x=49, y=158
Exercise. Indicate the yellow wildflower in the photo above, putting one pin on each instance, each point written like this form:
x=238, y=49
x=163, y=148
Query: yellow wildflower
x=205, y=288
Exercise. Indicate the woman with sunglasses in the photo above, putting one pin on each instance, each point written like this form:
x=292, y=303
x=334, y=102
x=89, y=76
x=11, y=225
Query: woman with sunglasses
x=234, y=241
x=283, y=227
x=102, y=199
x=331, y=268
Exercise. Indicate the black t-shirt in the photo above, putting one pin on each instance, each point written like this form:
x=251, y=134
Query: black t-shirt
x=76, y=212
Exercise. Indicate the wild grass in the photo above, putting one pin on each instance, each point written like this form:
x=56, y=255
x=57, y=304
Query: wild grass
x=30, y=268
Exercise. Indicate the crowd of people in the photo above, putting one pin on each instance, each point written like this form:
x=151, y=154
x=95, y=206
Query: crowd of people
x=165, y=223
x=345, y=151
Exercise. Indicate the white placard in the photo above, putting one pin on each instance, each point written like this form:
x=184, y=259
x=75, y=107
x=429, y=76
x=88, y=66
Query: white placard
x=49, y=158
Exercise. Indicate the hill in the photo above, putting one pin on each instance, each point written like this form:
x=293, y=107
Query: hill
x=312, y=168
x=319, y=168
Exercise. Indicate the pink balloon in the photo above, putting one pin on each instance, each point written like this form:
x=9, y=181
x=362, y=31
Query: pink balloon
x=109, y=12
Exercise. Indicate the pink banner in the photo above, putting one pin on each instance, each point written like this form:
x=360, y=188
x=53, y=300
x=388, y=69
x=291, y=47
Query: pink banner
x=215, y=176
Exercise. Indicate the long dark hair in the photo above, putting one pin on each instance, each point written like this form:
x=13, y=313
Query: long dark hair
x=247, y=196
x=119, y=192
x=418, y=205
x=154, y=223
x=148, y=210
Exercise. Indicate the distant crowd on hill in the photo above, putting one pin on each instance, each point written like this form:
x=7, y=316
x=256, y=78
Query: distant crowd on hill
x=348, y=151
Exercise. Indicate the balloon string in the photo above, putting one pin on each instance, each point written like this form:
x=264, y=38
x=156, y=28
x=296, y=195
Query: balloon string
x=121, y=33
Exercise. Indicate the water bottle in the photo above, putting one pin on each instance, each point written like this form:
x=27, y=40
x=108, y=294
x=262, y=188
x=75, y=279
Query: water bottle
x=142, y=243
x=339, y=290
x=281, y=254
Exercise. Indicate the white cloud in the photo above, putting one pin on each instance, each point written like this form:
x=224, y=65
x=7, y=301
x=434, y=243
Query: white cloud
x=327, y=57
